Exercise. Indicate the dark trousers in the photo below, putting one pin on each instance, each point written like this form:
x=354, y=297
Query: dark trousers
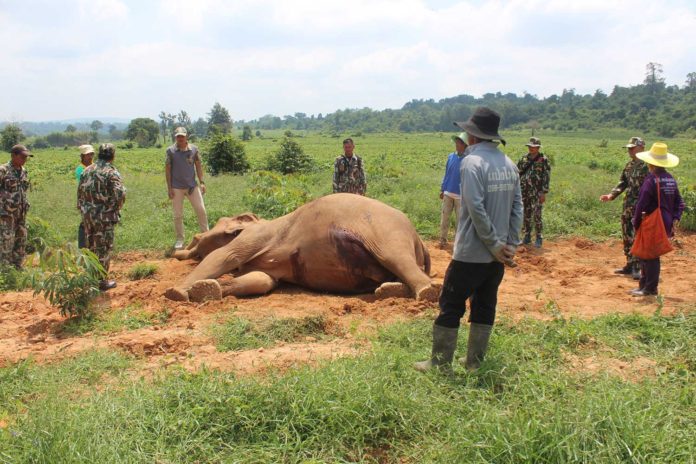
x=649, y=274
x=480, y=281
x=81, y=241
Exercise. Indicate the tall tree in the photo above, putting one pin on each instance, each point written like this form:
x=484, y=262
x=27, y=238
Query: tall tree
x=144, y=131
x=96, y=125
x=166, y=125
x=691, y=81
x=653, y=76
x=219, y=120
x=10, y=136
x=70, y=128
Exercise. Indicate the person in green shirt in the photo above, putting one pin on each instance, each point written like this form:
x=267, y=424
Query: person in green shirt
x=86, y=157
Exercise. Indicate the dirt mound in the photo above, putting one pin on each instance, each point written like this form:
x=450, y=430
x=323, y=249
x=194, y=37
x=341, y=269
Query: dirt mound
x=565, y=278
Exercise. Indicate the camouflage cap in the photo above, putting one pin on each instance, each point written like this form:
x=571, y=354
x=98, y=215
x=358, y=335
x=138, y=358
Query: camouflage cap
x=20, y=150
x=106, y=151
x=180, y=131
x=635, y=142
x=533, y=142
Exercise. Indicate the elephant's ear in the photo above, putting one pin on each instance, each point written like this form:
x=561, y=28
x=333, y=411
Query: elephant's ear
x=246, y=217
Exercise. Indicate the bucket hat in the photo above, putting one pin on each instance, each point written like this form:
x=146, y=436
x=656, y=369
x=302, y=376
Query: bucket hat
x=658, y=156
x=461, y=136
x=483, y=124
x=635, y=142
x=533, y=142
x=85, y=149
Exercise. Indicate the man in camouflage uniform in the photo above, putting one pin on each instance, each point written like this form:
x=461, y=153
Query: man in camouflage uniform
x=100, y=197
x=535, y=173
x=349, y=175
x=630, y=182
x=14, y=184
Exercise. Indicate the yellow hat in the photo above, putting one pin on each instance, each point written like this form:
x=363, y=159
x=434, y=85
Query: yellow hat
x=658, y=156
x=461, y=136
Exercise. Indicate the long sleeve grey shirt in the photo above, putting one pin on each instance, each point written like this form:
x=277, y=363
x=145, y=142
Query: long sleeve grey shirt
x=491, y=211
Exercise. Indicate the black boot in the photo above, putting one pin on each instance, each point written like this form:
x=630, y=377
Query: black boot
x=527, y=238
x=626, y=270
x=444, y=344
x=477, y=345
x=635, y=271
x=105, y=285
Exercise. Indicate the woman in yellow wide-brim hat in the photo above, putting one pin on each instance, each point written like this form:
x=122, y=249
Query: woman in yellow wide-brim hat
x=671, y=207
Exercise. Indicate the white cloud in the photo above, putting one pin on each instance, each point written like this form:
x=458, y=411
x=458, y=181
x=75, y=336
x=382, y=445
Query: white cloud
x=103, y=10
x=272, y=56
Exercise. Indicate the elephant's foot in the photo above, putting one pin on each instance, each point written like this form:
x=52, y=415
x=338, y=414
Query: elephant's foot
x=204, y=290
x=393, y=290
x=429, y=293
x=176, y=294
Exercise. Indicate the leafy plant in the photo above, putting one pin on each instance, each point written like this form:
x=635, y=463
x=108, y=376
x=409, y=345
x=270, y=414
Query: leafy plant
x=272, y=195
x=12, y=279
x=688, y=220
x=226, y=155
x=68, y=278
x=290, y=158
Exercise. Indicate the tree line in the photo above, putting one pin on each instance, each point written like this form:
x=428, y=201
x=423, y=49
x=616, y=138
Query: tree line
x=651, y=107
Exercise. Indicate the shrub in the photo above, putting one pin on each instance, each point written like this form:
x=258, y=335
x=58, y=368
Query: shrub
x=68, y=278
x=226, y=155
x=272, y=195
x=290, y=158
x=142, y=271
x=688, y=220
x=39, y=235
x=40, y=142
x=12, y=279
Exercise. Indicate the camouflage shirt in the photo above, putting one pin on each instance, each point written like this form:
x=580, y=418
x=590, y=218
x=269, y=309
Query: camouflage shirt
x=101, y=193
x=534, y=174
x=349, y=175
x=631, y=180
x=14, y=184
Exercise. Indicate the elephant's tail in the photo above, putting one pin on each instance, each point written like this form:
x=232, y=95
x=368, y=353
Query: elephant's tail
x=426, y=259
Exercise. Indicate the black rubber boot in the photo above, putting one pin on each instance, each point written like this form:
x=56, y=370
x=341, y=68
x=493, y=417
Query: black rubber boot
x=635, y=271
x=444, y=344
x=477, y=345
x=527, y=238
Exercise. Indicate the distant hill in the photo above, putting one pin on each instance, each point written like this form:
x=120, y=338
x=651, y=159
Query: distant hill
x=41, y=128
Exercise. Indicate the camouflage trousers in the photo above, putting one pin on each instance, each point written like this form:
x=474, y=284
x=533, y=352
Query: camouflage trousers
x=532, y=210
x=628, y=234
x=13, y=239
x=99, y=238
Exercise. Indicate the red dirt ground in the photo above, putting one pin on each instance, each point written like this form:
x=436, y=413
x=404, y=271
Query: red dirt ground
x=572, y=277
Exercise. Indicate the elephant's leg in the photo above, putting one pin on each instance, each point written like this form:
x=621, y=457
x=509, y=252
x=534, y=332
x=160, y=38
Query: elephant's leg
x=393, y=290
x=406, y=268
x=217, y=263
x=252, y=283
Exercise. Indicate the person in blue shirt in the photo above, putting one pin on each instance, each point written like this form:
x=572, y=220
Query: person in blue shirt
x=86, y=157
x=449, y=189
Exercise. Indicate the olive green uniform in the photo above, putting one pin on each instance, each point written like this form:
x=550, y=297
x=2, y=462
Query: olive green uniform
x=14, y=184
x=100, y=197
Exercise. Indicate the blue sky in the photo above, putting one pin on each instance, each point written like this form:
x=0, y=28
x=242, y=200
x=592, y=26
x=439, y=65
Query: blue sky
x=121, y=58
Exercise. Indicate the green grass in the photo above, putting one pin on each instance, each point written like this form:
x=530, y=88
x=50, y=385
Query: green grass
x=233, y=333
x=142, y=271
x=526, y=404
x=404, y=170
x=112, y=320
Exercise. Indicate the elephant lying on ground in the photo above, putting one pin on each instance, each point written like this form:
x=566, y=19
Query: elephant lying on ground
x=341, y=243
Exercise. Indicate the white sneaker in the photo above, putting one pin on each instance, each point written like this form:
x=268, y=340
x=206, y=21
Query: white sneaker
x=179, y=245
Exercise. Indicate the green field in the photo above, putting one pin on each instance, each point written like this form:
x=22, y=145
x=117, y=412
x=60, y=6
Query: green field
x=528, y=403
x=403, y=170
